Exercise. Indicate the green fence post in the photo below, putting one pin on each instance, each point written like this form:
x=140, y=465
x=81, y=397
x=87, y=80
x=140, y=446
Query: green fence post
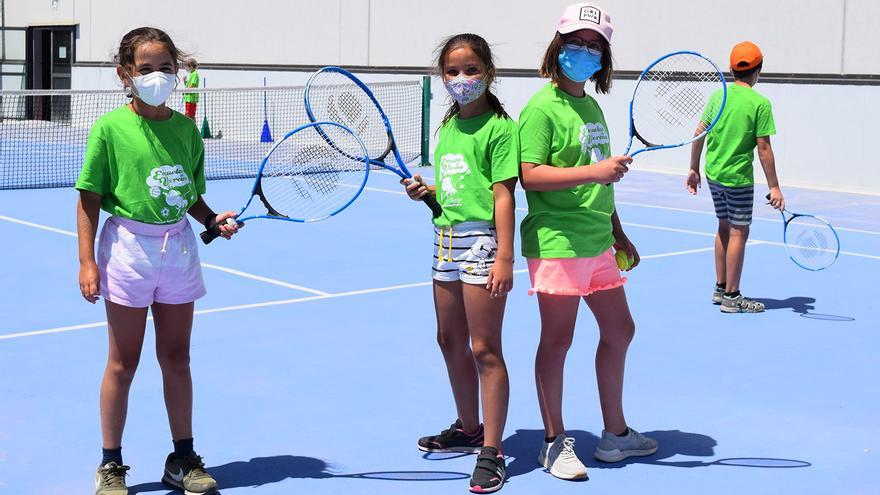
x=426, y=119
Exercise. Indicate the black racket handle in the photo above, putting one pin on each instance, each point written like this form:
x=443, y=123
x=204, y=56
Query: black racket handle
x=432, y=203
x=210, y=234
x=214, y=232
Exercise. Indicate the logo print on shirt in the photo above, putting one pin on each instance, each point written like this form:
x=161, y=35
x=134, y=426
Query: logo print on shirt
x=453, y=168
x=171, y=182
x=592, y=135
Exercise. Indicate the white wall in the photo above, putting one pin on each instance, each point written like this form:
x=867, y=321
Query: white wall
x=823, y=131
x=797, y=36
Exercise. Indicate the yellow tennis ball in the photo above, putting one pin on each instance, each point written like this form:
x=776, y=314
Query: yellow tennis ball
x=623, y=261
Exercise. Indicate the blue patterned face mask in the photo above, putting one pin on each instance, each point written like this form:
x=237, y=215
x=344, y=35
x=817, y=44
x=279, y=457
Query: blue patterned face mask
x=579, y=63
x=465, y=89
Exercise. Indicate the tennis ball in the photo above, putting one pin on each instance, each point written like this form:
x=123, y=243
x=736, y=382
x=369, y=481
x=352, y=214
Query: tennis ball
x=623, y=260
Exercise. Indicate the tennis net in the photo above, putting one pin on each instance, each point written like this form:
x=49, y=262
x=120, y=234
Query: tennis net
x=43, y=134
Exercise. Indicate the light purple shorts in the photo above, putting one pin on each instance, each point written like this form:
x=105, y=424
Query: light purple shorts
x=142, y=263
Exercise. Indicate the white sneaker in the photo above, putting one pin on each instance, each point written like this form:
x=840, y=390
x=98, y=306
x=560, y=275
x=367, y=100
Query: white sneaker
x=613, y=448
x=559, y=457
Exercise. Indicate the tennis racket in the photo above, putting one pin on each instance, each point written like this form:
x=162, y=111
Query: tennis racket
x=303, y=178
x=336, y=95
x=677, y=100
x=811, y=242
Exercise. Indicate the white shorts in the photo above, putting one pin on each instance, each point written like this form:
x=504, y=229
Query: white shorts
x=465, y=252
x=141, y=263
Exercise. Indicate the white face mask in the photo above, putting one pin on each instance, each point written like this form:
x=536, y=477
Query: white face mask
x=154, y=88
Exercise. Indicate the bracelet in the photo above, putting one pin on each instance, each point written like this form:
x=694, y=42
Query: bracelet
x=209, y=220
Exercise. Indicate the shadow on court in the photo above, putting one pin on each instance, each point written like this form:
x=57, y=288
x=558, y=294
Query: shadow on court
x=804, y=306
x=266, y=470
x=523, y=448
x=797, y=304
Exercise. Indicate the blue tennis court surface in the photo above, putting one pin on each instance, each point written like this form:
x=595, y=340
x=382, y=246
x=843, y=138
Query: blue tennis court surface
x=316, y=368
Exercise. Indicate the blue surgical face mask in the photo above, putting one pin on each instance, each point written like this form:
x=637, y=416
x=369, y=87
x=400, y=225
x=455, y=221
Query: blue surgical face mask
x=579, y=63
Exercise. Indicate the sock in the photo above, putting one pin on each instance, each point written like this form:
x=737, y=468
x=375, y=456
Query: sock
x=721, y=285
x=111, y=455
x=732, y=294
x=625, y=433
x=549, y=439
x=182, y=448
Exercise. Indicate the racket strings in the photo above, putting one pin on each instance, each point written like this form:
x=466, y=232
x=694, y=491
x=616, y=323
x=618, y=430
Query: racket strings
x=811, y=242
x=673, y=97
x=336, y=98
x=306, y=178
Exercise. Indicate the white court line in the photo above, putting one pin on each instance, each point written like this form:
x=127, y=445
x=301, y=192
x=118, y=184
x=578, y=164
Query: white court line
x=38, y=226
x=231, y=308
x=230, y=271
x=701, y=212
x=265, y=279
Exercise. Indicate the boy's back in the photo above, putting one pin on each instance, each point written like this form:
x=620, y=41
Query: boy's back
x=730, y=146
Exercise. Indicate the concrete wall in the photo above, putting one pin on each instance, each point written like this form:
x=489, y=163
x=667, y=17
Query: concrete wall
x=824, y=130
x=798, y=36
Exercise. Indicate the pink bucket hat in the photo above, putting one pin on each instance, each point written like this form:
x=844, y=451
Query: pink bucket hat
x=585, y=16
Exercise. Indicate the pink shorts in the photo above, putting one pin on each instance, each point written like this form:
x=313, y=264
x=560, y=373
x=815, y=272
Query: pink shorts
x=574, y=276
x=142, y=263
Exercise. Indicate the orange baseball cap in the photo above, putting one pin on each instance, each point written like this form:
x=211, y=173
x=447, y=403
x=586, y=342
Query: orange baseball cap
x=745, y=56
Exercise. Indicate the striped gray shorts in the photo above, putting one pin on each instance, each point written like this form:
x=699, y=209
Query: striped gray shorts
x=733, y=204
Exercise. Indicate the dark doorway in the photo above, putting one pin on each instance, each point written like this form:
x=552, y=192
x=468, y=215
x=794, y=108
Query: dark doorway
x=50, y=57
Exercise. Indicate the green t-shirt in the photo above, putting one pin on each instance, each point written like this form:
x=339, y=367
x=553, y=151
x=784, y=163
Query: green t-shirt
x=730, y=145
x=472, y=155
x=558, y=129
x=192, y=81
x=146, y=170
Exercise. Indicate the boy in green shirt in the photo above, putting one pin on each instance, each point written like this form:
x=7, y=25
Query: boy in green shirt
x=745, y=123
x=190, y=100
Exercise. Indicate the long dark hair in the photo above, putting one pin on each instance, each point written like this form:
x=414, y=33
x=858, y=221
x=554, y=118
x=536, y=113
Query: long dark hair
x=481, y=48
x=602, y=78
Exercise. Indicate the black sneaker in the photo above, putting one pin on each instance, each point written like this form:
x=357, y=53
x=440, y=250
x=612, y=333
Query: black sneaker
x=453, y=439
x=188, y=474
x=489, y=473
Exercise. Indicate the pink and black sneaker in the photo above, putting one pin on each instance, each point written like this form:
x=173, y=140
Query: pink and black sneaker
x=490, y=471
x=454, y=439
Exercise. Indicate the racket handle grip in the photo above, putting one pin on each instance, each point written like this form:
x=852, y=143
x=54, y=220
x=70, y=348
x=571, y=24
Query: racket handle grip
x=210, y=234
x=431, y=201
x=214, y=232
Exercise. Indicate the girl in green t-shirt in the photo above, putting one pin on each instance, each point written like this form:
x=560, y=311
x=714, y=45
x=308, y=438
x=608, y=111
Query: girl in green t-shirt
x=144, y=164
x=569, y=231
x=477, y=166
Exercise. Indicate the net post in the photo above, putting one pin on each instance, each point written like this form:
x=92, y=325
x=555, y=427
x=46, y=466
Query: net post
x=426, y=119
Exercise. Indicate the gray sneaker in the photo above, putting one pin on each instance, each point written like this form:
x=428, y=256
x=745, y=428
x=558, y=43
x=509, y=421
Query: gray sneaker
x=717, y=295
x=740, y=304
x=188, y=474
x=613, y=448
x=559, y=458
x=110, y=479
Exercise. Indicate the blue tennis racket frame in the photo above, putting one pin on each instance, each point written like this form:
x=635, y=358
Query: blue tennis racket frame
x=274, y=215
x=403, y=172
x=633, y=133
x=787, y=221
